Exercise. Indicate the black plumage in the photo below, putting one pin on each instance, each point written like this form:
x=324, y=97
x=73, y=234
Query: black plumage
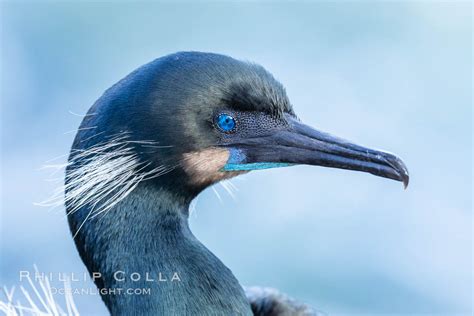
x=152, y=143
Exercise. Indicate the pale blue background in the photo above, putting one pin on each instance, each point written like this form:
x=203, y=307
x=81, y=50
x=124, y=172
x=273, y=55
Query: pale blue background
x=392, y=75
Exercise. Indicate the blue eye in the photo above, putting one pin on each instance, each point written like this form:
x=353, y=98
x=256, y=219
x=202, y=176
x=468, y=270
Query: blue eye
x=225, y=122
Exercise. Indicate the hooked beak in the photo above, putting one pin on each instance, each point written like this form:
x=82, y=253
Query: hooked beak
x=301, y=144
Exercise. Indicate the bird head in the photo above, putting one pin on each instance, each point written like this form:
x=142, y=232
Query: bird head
x=189, y=120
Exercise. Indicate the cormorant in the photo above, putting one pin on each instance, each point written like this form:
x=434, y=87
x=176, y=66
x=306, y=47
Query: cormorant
x=150, y=144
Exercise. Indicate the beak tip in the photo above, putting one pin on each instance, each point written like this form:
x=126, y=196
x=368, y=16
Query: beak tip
x=406, y=180
x=401, y=169
x=405, y=175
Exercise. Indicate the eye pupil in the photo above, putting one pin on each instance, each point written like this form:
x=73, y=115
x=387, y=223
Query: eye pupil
x=225, y=122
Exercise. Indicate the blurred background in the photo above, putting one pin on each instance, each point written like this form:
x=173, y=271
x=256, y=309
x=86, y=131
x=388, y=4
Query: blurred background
x=391, y=75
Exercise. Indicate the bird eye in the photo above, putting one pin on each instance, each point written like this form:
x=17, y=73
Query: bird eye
x=225, y=122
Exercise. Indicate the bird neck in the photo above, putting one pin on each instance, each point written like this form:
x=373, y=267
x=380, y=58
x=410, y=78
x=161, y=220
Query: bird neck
x=144, y=249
